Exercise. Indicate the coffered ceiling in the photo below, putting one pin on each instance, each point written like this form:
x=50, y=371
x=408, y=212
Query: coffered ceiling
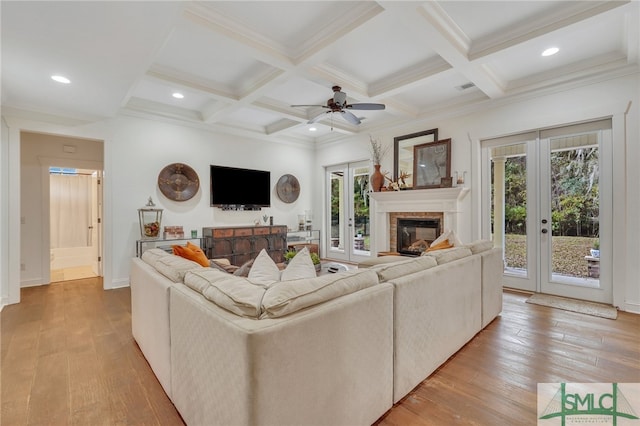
x=241, y=65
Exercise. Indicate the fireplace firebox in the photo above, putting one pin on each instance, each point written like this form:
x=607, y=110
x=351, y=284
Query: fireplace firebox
x=415, y=235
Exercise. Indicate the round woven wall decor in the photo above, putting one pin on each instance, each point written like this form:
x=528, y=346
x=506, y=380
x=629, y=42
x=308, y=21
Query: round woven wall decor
x=288, y=188
x=178, y=182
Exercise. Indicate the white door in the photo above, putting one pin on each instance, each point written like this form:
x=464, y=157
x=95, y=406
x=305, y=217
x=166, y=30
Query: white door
x=348, y=221
x=547, y=198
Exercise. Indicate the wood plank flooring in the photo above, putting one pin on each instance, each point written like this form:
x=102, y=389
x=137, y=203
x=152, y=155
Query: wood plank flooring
x=68, y=358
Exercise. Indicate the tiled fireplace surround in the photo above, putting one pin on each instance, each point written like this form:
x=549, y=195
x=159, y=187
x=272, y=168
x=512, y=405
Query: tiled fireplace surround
x=388, y=206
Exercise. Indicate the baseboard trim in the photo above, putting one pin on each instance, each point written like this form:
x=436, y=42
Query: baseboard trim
x=31, y=283
x=632, y=307
x=119, y=283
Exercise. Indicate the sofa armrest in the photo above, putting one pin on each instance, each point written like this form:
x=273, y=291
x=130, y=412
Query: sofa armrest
x=492, y=273
x=150, y=318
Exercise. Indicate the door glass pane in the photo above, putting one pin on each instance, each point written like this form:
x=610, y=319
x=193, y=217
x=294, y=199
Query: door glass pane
x=575, y=209
x=509, y=205
x=361, y=223
x=337, y=211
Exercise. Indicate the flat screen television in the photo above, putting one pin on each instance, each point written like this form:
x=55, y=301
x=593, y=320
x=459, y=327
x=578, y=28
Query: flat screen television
x=232, y=186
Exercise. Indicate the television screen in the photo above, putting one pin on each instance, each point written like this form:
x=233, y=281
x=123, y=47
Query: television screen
x=234, y=186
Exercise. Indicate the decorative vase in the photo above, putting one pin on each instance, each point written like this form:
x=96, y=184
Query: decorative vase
x=377, y=179
x=595, y=253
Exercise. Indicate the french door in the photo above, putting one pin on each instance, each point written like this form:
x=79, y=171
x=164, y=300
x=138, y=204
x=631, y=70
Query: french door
x=547, y=200
x=348, y=221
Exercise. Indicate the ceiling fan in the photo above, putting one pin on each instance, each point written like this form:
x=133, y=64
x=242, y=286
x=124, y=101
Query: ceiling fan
x=339, y=104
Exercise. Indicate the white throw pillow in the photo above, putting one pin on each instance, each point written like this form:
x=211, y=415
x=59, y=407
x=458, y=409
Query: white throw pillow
x=264, y=270
x=447, y=235
x=301, y=266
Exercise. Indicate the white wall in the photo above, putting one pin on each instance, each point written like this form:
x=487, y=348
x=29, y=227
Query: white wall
x=140, y=149
x=603, y=99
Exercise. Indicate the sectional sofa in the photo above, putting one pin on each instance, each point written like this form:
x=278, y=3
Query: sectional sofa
x=339, y=349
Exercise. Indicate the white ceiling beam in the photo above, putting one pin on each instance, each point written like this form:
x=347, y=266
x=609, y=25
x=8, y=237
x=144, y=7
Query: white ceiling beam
x=447, y=39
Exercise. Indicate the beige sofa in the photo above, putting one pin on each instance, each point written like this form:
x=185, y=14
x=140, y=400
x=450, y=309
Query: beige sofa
x=342, y=358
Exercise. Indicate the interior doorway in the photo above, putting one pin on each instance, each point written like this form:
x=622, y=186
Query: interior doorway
x=75, y=204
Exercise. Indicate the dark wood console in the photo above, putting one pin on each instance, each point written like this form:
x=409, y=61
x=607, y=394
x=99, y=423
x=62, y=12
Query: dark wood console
x=241, y=244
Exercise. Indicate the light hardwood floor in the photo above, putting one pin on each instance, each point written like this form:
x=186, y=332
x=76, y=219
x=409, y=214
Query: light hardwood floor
x=68, y=358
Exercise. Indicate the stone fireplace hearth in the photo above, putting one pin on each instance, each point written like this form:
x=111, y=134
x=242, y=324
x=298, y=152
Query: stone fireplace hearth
x=443, y=204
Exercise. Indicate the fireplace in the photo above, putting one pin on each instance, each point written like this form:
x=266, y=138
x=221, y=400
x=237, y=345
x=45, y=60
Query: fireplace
x=415, y=235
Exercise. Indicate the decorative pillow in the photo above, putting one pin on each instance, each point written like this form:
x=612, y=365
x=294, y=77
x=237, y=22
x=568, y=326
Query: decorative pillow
x=243, y=271
x=299, y=267
x=448, y=235
x=264, y=270
x=445, y=244
x=195, y=248
x=196, y=256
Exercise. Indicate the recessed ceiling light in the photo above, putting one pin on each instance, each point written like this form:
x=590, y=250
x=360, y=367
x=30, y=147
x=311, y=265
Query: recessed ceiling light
x=550, y=51
x=178, y=95
x=60, y=79
x=312, y=129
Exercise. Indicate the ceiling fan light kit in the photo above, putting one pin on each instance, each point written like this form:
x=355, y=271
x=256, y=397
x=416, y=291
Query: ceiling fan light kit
x=338, y=103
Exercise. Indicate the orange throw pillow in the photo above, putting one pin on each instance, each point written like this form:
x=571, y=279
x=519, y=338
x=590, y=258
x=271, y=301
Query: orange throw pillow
x=194, y=247
x=187, y=253
x=440, y=246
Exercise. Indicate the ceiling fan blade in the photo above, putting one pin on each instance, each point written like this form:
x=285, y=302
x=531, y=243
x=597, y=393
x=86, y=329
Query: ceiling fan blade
x=350, y=117
x=317, y=117
x=365, y=106
x=308, y=106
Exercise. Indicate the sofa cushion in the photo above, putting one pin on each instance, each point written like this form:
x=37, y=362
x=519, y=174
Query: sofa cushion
x=449, y=255
x=264, y=270
x=380, y=260
x=390, y=271
x=150, y=256
x=175, y=267
x=234, y=294
x=286, y=297
x=479, y=246
x=301, y=266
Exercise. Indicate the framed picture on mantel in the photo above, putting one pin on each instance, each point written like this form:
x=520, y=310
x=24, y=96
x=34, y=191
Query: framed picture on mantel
x=403, y=150
x=431, y=163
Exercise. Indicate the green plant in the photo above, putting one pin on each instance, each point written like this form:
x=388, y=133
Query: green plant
x=289, y=254
x=596, y=244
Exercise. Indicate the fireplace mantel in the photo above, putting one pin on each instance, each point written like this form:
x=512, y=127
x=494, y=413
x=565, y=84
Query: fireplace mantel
x=444, y=200
x=419, y=200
